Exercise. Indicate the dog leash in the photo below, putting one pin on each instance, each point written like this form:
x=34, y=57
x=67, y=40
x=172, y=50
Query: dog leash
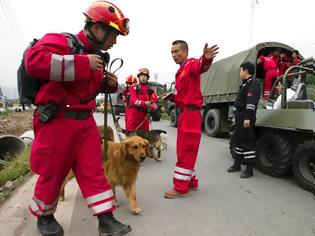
x=108, y=68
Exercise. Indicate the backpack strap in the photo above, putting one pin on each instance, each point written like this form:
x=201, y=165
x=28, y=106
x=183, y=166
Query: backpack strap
x=138, y=90
x=75, y=43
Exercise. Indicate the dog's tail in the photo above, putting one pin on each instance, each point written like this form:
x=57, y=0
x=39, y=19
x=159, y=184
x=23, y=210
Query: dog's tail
x=159, y=131
x=119, y=128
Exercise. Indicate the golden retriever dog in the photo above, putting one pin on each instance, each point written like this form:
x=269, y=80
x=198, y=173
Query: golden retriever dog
x=122, y=167
x=70, y=176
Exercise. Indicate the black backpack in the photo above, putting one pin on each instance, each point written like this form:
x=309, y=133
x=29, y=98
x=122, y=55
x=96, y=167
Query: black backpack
x=28, y=86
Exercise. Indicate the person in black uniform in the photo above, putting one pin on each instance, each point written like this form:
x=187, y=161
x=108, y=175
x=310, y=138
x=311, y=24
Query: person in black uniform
x=245, y=117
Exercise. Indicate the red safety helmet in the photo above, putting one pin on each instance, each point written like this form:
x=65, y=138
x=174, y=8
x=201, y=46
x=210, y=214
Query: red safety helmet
x=131, y=79
x=109, y=14
x=143, y=71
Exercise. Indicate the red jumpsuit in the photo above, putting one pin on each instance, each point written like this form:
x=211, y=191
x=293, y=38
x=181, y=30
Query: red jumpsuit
x=271, y=69
x=138, y=117
x=188, y=97
x=126, y=98
x=66, y=143
x=284, y=64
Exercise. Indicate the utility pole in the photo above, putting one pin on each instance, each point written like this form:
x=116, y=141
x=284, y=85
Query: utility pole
x=156, y=77
x=251, y=22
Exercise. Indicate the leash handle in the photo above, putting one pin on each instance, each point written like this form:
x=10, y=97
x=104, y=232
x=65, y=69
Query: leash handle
x=109, y=67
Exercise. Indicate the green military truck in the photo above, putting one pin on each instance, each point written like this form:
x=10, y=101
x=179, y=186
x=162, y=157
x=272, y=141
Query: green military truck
x=159, y=89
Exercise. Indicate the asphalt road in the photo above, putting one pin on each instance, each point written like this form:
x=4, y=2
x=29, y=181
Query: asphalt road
x=224, y=205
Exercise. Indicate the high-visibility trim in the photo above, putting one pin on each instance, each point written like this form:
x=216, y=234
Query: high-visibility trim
x=99, y=197
x=250, y=106
x=238, y=152
x=103, y=207
x=69, y=43
x=182, y=177
x=183, y=170
x=56, y=67
x=249, y=157
x=35, y=208
x=251, y=152
x=193, y=173
x=240, y=149
x=69, y=68
x=44, y=206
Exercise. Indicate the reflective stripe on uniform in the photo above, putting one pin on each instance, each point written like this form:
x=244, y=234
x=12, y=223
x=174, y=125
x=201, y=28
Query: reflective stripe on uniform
x=183, y=170
x=56, y=67
x=103, y=207
x=182, y=177
x=249, y=157
x=250, y=106
x=43, y=205
x=37, y=209
x=69, y=68
x=99, y=197
x=251, y=152
x=69, y=43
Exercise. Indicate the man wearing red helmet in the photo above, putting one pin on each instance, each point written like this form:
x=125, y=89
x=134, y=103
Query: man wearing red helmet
x=142, y=101
x=131, y=80
x=65, y=102
x=188, y=99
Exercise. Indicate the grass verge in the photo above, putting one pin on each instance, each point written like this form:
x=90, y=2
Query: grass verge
x=18, y=171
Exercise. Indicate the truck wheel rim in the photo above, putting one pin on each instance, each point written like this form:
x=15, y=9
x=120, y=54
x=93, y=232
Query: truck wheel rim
x=307, y=166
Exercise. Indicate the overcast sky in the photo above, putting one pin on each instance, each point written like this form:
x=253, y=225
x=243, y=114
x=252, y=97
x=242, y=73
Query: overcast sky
x=233, y=25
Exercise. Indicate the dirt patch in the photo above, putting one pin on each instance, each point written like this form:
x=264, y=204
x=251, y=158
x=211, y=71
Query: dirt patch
x=16, y=123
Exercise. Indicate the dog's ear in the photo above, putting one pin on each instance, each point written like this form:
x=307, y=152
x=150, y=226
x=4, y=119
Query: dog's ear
x=147, y=147
x=124, y=148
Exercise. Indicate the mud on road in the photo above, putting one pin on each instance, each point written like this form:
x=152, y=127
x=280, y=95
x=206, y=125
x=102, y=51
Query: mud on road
x=16, y=123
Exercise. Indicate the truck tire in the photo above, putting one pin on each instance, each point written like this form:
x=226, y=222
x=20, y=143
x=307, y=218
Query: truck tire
x=273, y=154
x=304, y=165
x=156, y=116
x=173, y=120
x=212, y=123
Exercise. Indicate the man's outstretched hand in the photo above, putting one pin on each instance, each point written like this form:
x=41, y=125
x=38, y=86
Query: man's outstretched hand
x=210, y=53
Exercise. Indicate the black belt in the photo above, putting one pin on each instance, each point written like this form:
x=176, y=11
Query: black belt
x=180, y=110
x=78, y=115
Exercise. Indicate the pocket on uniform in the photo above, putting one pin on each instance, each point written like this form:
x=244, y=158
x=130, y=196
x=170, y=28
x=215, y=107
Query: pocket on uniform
x=41, y=159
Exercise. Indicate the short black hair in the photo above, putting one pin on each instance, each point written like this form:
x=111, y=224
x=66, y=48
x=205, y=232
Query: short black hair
x=296, y=51
x=250, y=67
x=182, y=43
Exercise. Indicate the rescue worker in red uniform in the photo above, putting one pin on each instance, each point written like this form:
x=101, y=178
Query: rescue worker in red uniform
x=131, y=80
x=143, y=100
x=271, y=69
x=69, y=139
x=284, y=63
x=295, y=58
x=188, y=99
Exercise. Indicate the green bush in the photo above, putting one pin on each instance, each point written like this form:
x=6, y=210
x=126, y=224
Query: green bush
x=18, y=167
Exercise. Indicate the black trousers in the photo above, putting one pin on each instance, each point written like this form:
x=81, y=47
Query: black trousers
x=245, y=138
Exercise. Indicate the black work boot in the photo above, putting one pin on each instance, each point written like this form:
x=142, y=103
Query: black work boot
x=48, y=226
x=109, y=226
x=248, y=171
x=236, y=166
